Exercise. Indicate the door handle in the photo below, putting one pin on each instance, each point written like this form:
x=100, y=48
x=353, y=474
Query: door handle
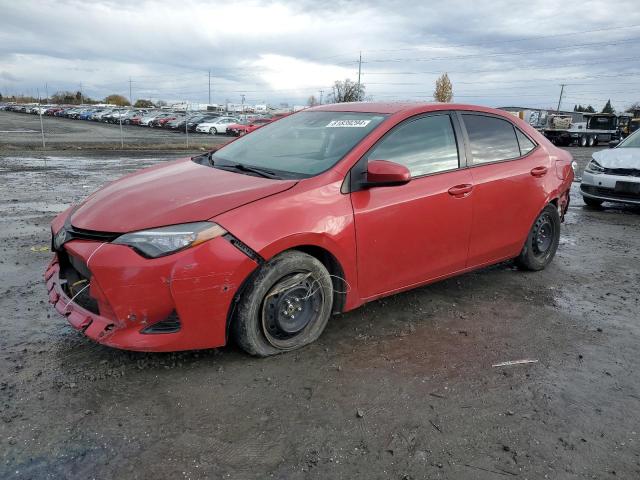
x=539, y=171
x=460, y=191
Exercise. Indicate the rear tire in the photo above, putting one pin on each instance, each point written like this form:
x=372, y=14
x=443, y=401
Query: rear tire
x=591, y=142
x=285, y=306
x=542, y=241
x=583, y=141
x=213, y=131
x=592, y=202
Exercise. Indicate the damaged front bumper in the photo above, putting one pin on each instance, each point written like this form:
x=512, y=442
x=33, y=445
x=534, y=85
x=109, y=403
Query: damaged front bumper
x=120, y=299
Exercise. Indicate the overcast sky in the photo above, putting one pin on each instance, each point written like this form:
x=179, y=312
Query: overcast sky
x=497, y=53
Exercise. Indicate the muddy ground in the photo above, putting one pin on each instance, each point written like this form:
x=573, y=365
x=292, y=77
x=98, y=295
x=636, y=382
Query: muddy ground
x=402, y=388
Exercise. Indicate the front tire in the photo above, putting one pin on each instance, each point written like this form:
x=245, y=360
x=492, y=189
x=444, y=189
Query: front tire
x=285, y=306
x=542, y=241
x=583, y=141
x=213, y=131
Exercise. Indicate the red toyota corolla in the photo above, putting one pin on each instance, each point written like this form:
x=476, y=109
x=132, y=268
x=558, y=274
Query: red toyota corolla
x=311, y=215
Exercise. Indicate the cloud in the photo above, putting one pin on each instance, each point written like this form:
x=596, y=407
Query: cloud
x=496, y=52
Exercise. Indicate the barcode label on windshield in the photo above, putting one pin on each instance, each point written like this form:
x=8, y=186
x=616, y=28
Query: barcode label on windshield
x=348, y=123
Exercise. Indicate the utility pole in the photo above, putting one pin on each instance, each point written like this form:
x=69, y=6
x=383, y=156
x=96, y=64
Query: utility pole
x=242, y=102
x=81, y=101
x=40, y=113
x=46, y=92
x=321, y=93
x=186, y=122
x=209, y=86
x=560, y=99
x=130, y=96
x=359, y=73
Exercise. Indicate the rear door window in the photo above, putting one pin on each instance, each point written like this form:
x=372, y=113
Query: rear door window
x=424, y=145
x=491, y=139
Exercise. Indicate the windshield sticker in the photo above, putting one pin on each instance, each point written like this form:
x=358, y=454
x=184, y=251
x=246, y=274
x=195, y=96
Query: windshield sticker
x=348, y=123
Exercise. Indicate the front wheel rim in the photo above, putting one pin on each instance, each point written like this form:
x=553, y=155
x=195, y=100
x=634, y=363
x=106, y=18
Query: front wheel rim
x=291, y=308
x=543, y=235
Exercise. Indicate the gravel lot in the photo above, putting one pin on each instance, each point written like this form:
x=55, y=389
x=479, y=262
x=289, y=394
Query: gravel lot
x=20, y=132
x=401, y=388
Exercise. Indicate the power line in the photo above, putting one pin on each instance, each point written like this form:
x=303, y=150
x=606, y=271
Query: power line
x=501, y=70
x=497, y=42
x=496, y=54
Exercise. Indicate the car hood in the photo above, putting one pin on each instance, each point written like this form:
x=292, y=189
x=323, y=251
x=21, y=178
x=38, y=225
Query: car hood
x=618, y=158
x=178, y=192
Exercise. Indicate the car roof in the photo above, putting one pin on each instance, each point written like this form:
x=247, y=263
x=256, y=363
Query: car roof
x=399, y=107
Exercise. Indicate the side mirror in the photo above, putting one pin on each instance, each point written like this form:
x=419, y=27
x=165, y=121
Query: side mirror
x=381, y=173
x=613, y=143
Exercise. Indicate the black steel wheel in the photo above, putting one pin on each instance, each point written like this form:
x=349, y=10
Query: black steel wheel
x=542, y=242
x=543, y=235
x=285, y=305
x=294, y=303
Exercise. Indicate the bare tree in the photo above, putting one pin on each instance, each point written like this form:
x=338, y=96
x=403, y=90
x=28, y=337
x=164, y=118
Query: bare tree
x=444, y=89
x=346, y=91
x=312, y=101
x=634, y=107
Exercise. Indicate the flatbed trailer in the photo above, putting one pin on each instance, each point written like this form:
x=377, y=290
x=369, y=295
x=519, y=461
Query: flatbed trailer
x=598, y=128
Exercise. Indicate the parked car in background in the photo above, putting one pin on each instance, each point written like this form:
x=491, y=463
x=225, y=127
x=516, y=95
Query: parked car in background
x=176, y=123
x=265, y=238
x=162, y=122
x=239, y=129
x=149, y=117
x=193, y=122
x=218, y=125
x=137, y=118
x=161, y=118
x=613, y=175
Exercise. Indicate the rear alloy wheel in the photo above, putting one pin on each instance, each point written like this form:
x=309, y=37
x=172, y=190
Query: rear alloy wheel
x=583, y=141
x=591, y=142
x=213, y=131
x=592, y=202
x=542, y=241
x=285, y=306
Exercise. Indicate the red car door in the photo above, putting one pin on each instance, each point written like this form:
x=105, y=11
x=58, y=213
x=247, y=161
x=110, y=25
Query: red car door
x=419, y=231
x=508, y=171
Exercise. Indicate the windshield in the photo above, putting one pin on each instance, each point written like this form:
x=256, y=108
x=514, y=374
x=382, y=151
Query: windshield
x=632, y=141
x=305, y=144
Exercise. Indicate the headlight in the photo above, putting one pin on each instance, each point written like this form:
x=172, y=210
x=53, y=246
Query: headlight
x=594, y=167
x=574, y=166
x=166, y=240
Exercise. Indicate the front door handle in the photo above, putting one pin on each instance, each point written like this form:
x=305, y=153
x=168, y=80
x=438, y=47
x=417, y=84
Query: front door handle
x=539, y=171
x=460, y=191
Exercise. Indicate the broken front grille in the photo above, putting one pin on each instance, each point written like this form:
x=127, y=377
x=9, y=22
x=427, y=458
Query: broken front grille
x=625, y=172
x=75, y=278
x=609, y=192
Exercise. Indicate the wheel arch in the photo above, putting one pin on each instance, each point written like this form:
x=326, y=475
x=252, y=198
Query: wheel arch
x=322, y=254
x=333, y=266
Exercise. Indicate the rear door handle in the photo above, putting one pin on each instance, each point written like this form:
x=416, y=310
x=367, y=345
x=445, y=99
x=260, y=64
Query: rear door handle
x=539, y=171
x=460, y=191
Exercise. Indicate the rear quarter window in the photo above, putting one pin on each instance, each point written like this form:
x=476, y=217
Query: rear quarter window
x=526, y=145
